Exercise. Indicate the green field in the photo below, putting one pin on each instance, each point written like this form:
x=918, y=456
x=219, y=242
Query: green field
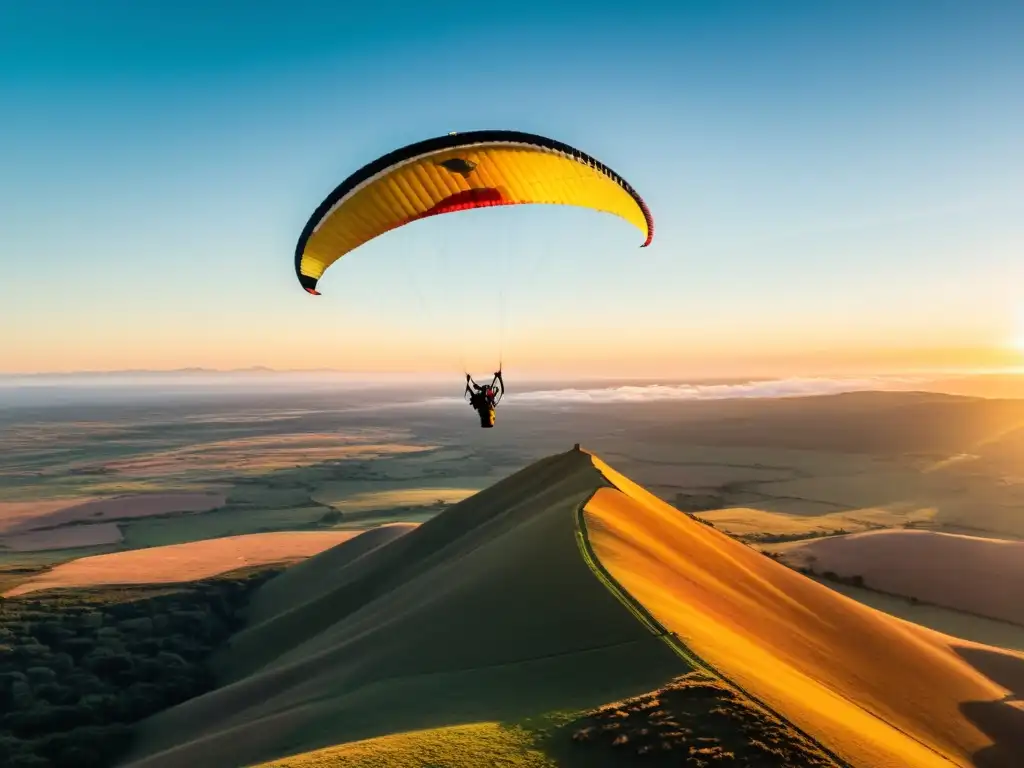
x=760, y=470
x=355, y=492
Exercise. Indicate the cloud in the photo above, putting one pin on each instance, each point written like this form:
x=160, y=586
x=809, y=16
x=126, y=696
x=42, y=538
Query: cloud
x=751, y=389
x=797, y=387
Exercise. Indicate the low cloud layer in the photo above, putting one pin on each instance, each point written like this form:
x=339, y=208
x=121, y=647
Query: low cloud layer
x=752, y=389
x=797, y=387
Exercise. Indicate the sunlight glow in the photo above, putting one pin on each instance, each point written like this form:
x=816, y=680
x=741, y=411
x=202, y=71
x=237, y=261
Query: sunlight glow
x=1018, y=339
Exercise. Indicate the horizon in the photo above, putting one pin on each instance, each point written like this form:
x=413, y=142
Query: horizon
x=366, y=392
x=835, y=190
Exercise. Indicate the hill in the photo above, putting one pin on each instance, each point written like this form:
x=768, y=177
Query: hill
x=563, y=587
x=487, y=612
x=967, y=573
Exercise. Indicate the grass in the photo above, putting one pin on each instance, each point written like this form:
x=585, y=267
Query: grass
x=65, y=537
x=793, y=644
x=185, y=562
x=229, y=521
x=879, y=486
x=19, y=567
x=457, y=746
x=12, y=576
x=270, y=493
x=258, y=454
x=318, y=575
x=695, y=721
x=386, y=517
x=369, y=501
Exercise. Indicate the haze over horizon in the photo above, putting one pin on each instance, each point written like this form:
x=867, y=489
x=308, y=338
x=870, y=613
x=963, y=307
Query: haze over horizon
x=836, y=189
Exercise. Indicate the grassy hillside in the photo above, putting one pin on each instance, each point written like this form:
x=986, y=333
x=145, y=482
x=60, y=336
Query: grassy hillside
x=313, y=578
x=879, y=692
x=485, y=613
x=694, y=721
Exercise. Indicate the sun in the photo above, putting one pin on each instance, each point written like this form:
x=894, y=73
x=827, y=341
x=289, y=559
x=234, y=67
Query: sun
x=1017, y=340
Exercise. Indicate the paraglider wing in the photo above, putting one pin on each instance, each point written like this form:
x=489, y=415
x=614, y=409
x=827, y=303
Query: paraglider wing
x=458, y=172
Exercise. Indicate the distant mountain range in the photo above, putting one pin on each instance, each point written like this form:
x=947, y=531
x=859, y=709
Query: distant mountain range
x=166, y=372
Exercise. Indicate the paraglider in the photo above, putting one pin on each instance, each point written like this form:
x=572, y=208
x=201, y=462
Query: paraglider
x=459, y=172
x=485, y=398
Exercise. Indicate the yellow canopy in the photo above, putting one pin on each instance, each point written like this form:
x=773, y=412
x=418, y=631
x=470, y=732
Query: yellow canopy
x=459, y=172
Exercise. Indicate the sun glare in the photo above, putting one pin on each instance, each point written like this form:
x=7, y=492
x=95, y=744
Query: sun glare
x=1016, y=339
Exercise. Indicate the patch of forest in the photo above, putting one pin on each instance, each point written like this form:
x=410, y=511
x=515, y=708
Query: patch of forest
x=78, y=668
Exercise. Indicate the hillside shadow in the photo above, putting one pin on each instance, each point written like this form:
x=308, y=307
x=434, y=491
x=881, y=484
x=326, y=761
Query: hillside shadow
x=1002, y=720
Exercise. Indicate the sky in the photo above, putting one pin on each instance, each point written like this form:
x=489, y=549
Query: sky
x=836, y=187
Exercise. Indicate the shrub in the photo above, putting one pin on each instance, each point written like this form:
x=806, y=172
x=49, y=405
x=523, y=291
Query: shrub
x=85, y=682
x=334, y=516
x=9, y=747
x=51, y=632
x=140, y=625
x=40, y=675
x=171, y=660
x=61, y=663
x=56, y=694
x=20, y=694
x=30, y=652
x=27, y=760
x=7, y=679
x=110, y=665
x=77, y=647
x=78, y=756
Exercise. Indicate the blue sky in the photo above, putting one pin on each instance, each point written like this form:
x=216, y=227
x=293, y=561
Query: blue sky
x=828, y=180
